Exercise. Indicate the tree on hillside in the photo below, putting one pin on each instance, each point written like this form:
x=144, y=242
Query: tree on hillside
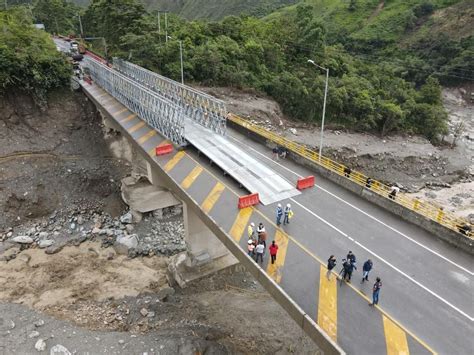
x=58, y=16
x=29, y=61
x=113, y=19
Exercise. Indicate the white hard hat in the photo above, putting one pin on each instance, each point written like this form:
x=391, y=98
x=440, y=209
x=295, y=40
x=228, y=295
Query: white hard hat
x=288, y=205
x=252, y=224
x=250, y=241
x=279, y=205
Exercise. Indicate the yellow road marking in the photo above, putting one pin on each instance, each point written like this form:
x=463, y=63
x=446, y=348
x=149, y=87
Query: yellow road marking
x=136, y=127
x=152, y=150
x=146, y=136
x=327, y=306
x=192, y=176
x=241, y=221
x=275, y=270
x=395, y=338
x=173, y=161
x=129, y=118
x=307, y=251
x=213, y=196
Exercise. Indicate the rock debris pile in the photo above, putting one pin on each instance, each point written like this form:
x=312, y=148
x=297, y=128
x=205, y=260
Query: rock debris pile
x=158, y=233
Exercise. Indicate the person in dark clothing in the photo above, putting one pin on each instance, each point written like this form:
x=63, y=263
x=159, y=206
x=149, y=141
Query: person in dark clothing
x=273, y=251
x=347, y=172
x=351, y=257
x=331, y=265
x=465, y=229
x=347, y=269
x=366, y=269
x=368, y=183
x=376, y=291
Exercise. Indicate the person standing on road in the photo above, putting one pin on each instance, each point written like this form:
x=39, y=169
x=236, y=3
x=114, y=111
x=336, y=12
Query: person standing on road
x=331, y=265
x=251, y=230
x=273, y=251
x=279, y=214
x=365, y=270
x=260, y=229
x=288, y=214
x=376, y=291
x=251, y=248
x=351, y=257
x=259, y=249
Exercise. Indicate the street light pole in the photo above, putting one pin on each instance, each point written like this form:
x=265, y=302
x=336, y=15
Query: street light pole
x=324, y=106
x=80, y=25
x=181, y=59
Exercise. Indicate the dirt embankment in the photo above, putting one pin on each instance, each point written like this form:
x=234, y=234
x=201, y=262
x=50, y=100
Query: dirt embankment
x=411, y=161
x=58, y=181
x=53, y=158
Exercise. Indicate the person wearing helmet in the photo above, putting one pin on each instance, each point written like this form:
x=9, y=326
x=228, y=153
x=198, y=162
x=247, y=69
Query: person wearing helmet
x=288, y=212
x=251, y=231
x=279, y=214
x=251, y=248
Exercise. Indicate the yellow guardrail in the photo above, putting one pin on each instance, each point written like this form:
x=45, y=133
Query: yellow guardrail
x=423, y=208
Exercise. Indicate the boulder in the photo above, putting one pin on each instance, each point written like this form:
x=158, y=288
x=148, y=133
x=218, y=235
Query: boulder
x=45, y=243
x=58, y=349
x=126, y=218
x=40, y=345
x=125, y=242
x=22, y=239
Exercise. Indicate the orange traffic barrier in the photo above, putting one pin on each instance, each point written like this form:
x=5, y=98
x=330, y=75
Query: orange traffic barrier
x=249, y=200
x=163, y=149
x=304, y=183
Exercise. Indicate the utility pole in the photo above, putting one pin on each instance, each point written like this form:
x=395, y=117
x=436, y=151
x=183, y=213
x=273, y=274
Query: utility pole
x=159, y=24
x=80, y=25
x=181, y=59
x=166, y=26
x=324, y=106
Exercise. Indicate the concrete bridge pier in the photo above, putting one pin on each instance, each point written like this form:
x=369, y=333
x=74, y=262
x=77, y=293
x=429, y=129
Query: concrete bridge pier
x=205, y=252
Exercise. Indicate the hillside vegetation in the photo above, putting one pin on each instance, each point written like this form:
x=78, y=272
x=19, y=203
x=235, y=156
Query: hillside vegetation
x=29, y=61
x=385, y=63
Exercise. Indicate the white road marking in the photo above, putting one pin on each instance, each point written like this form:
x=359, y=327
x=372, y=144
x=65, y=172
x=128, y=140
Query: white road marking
x=365, y=213
x=386, y=262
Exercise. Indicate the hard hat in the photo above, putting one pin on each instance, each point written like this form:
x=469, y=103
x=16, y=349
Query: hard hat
x=252, y=224
x=288, y=205
x=250, y=241
x=279, y=205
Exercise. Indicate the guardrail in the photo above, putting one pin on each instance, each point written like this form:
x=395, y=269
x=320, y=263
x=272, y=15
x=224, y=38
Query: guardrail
x=425, y=209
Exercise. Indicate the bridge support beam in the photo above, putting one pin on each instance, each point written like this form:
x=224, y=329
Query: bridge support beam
x=205, y=253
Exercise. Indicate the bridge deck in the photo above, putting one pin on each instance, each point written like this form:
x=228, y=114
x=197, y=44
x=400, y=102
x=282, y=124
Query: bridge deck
x=421, y=286
x=251, y=173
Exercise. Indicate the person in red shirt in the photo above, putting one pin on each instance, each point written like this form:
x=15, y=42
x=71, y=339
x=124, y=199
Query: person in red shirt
x=273, y=251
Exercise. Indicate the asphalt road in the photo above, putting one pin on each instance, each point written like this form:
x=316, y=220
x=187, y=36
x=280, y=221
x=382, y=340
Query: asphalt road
x=427, y=296
x=427, y=284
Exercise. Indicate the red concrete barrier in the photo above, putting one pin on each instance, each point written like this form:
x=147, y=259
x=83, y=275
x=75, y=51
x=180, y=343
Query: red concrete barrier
x=249, y=200
x=304, y=183
x=163, y=149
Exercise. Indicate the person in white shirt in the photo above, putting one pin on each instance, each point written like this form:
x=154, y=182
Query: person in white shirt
x=259, y=249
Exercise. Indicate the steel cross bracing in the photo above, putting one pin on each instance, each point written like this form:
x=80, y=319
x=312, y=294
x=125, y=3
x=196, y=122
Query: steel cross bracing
x=160, y=113
x=200, y=107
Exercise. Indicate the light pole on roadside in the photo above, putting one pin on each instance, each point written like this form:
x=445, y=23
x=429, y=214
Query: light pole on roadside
x=180, y=57
x=80, y=25
x=324, y=105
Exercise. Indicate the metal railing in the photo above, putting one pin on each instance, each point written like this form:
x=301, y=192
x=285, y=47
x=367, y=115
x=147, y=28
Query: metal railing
x=425, y=209
x=200, y=107
x=158, y=112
